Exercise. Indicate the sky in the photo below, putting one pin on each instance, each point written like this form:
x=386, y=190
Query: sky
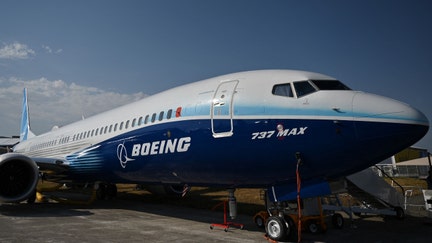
x=78, y=58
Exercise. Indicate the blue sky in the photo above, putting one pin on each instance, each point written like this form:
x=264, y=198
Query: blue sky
x=82, y=57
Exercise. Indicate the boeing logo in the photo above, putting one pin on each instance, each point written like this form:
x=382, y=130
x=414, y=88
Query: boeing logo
x=122, y=155
x=176, y=145
x=161, y=147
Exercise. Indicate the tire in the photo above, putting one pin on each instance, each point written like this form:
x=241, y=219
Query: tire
x=400, y=213
x=313, y=227
x=32, y=198
x=291, y=233
x=337, y=221
x=101, y=192
x=276, y=228
x=259, y=221
x=111, y=191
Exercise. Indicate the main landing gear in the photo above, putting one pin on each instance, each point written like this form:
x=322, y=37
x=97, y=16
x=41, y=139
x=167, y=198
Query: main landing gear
x=106, y=191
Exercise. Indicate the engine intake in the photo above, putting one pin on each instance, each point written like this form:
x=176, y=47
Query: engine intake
x=19, y=176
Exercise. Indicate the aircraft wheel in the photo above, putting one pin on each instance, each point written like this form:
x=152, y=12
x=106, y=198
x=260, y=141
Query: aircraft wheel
x=291, y=233
x=338, y=221
x=32, y=198
x=400, y=213
x=259, y=221
x=111, y=191
x=101, y=192
x=276, y=228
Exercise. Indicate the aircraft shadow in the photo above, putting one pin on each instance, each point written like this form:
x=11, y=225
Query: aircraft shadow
x=197, y=206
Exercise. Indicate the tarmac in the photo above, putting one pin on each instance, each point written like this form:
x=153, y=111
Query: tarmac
x=129, y=220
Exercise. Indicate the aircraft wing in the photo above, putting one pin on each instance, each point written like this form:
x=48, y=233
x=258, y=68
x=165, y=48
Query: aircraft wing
x=52, y=164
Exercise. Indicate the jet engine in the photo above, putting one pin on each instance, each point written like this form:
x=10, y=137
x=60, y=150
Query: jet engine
x=19, y=176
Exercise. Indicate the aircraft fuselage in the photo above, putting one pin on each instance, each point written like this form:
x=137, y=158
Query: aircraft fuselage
x=238, y=130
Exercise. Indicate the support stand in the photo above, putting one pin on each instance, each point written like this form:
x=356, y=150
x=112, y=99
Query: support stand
x=226, y=224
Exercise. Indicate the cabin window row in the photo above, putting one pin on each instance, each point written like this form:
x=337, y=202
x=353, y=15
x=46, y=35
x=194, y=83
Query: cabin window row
x=143, y=120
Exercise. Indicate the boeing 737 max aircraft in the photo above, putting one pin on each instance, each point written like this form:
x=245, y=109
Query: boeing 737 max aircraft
x=237, y=130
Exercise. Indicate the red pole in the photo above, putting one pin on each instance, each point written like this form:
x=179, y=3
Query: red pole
x=225, y=212
x=298, y=199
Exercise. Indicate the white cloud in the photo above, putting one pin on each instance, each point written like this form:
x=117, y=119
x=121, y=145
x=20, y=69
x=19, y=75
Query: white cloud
x=50, y=50
x=54, y=102
x=47, y=48
x=16, y=51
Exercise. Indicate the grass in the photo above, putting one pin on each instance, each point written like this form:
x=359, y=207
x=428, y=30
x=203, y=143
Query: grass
x=409, y=182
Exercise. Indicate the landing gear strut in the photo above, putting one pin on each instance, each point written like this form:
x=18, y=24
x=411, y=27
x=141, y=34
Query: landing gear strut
x=106, y=191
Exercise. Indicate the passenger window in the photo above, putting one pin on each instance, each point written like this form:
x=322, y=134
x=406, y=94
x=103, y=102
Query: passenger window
x=146, y=119
x=283, y=90
x=127, y=124
x=161, y=115
x=169, y=114
x=115, y=127
x=121, y=126
x=140, y=121
x=303, y=88
x=153, y=119
x=110, y=128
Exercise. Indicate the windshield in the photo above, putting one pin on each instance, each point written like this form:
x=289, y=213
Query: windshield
x=303, y=88
x=306, y=87
x=330, y=85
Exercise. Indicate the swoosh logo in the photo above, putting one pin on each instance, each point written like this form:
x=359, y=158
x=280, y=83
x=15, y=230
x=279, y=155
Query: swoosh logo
x=122, y=155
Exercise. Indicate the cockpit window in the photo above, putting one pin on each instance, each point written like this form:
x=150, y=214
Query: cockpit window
x=283, y=90
x=330, y=85
x=303, y=88
x=306, y=87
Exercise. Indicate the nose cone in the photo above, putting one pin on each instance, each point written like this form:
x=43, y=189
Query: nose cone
x=386, y=125
x=383, y=109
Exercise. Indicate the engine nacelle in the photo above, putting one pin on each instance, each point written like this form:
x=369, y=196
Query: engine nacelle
x=19, y=176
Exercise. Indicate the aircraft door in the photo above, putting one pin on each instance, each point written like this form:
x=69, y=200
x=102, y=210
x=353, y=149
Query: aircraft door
x=222, y=109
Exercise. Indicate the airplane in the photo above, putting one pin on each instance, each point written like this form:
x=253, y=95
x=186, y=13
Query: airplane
x=241, y=130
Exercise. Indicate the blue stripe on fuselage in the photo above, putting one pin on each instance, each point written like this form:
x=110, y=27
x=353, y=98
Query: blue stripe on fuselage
x=253, y=156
